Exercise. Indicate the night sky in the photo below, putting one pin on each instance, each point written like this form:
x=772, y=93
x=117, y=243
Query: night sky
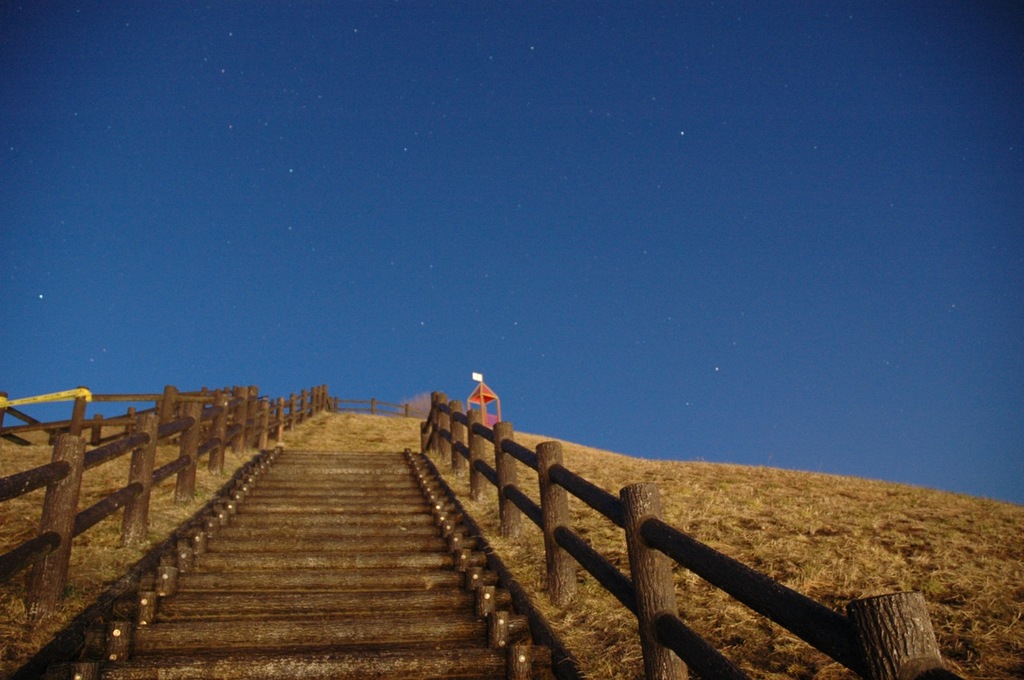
x=786, y=234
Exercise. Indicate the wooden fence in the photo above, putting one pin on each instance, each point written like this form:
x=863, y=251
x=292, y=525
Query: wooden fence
x=376, y=407
x=880, y=638
x=202, y=423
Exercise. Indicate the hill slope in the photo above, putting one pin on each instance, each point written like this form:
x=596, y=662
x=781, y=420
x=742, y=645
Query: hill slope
x=832, y=538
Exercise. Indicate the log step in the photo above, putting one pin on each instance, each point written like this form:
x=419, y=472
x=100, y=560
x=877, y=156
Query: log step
x=468, y=663
x=304, y=543
x=298, y=581
x=273, y=522
x=258, y=561
x=356, y=632
x=339, y=531
x=225, y=606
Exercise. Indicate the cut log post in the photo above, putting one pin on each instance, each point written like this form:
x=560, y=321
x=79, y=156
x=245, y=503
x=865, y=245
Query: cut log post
x=252, y=401
x=135, y=521
x=280, y=421
x=519, y=660
x=896, y=637
x=497, y=629
x=477, y=447
x=505, y=465
x=78, y=415
x=119, y=640
x=241, y=395
x=168, y=403
x=264, y=436
x=220, y=432
x=484, y=600
x=444, y=420
x=458, y=437
x=185, y=487
x=147, y=608
x=554, y=503
x=474, y=578
x=186, y=558
x=166, y=580
x=652, y=581
x=96, y=432
x=46, y=583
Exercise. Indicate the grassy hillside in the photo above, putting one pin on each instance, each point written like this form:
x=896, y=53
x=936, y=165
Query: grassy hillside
x=832, y=538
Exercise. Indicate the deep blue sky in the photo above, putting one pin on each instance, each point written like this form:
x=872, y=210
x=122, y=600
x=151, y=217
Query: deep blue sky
x=783, y=234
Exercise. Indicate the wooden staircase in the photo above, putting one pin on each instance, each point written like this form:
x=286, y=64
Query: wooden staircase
x=322, y=565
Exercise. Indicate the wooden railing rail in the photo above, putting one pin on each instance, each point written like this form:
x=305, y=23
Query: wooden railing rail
x=882, y=638
x=202, y=423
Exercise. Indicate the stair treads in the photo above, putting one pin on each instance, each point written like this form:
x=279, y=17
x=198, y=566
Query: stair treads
x=462, y=629
x=388, y=664
x=226, y=606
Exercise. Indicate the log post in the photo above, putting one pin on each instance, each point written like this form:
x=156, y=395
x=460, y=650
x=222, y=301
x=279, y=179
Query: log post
x=220, y=432
x=252, y=416
x=434, y=421
x=373, y=406
x=3, y=409
x=280, y=422
x=77, y=415
x=444, y=446
x=168, y=403
x=264, y=437
x=554, y=504
x=118, y=640
x=130, y=427
x=189, y=446
x=458, y=436
x=135, y=521
x=291, y=411
x=239, y=416
x=96, y=432
x=46, y=583
x=497, y=629
x=652, y=582
x=896, y=637
x=477, y=447
x=505, y=466
x=518, y=662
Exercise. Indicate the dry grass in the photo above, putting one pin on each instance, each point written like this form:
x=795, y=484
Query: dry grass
x=832, y=538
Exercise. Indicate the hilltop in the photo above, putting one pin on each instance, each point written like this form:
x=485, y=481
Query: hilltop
x=832, y=538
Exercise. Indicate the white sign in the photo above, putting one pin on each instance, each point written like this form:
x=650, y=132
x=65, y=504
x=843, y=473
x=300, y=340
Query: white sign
x=479, y=377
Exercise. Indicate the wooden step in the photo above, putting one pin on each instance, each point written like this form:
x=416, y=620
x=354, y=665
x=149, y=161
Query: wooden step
x=227, y=606
x=356, y=632
x=259, y=561
x=299, y=581
x=340, y=530
x=404, y=664
x=284, y=521
x=385, y=513
x=302, y=543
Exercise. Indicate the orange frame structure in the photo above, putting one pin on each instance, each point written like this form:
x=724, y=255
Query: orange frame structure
x=484, y=395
